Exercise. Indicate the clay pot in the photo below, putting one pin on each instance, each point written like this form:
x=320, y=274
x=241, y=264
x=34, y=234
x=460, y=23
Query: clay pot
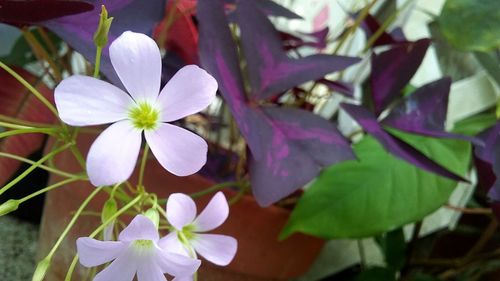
x=260, y=255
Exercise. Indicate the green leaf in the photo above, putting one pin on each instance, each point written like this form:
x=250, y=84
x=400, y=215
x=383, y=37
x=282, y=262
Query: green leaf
x=475, y=124
x=376, y=274
x=377, y=193
x=393, y=245
x=471, y=25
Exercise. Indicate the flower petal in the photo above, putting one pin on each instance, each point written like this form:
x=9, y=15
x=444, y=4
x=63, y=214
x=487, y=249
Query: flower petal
x=184, y=278
x=191, y=90
x=140, y=228
x=172, y=244
x=137, y=61
x=181, y=210
x=83, y=101
x=121, y=269
x=148, y=271
x=94, y=252
x=214, y=214
x=112, y=156
x=178, y=150
x=218, y=249
x=177, y=265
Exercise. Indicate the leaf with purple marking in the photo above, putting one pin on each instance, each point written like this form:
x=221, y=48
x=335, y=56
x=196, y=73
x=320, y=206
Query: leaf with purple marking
x=78, y=30
x=270, y=70
x=393, y=69
x=393, y=145
x=424, y=112
x=288, y=146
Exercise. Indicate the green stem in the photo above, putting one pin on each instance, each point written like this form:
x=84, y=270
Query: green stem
x=28, y=86
x=48, y=188
x=97, y=61
x=29, y=161
x=143, y=165
x=15, y=121
x=32, y=167
x=48, y=258
x=49, y=131
x=16, y=126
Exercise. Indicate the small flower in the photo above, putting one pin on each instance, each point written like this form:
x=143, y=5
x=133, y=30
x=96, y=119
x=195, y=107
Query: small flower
x=187, y=239
x=135, y=252
x=85, y=101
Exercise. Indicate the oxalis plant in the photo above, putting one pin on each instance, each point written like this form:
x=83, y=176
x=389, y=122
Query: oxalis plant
x=382, y=159
x=143, y=110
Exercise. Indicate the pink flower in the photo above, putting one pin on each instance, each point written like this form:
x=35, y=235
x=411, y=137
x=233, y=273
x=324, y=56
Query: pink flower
x=85, y=101
x=187, y=238
x=135, y=252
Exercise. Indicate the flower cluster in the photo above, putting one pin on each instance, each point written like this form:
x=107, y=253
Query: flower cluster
x=140, y=250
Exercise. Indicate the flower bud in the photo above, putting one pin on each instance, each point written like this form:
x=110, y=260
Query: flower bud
x=101, y=34
x=153, y=215
x=109, y=209
x=41, y=269
x=9, y=206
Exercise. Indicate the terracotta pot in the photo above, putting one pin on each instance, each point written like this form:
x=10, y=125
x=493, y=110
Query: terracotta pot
x=260, y=255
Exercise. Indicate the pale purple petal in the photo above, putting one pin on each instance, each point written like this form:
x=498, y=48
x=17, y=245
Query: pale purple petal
x=137, y=61
x=218, y=249
x=178, y=150
x=83, y=101
x=94, y=252
x=140, y=228
x=149, y=271
x=191, y=90
x=172, y=244
x=113, y=154
x=121, y=269
x=214, y=214
x=175, y=264
x=181, y=210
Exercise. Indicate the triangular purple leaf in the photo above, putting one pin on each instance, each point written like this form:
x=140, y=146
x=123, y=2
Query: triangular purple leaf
x=78, y=30
x=370, y=25
x=393, y=69
x=424, y=112
x=278, y=138
x=393, y=145
x=489, y=153
x=347, y=89
x=270, y=70
x=298, y=144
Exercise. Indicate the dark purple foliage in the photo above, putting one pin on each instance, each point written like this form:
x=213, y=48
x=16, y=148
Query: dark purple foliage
x=489, y=154
x=344, y=88
x=288, y=146
x=23, y=12
x=271, y=8
x=315, y=39
x=78, y=30
x=370, y=25
x=393, y=69
x=393, y=145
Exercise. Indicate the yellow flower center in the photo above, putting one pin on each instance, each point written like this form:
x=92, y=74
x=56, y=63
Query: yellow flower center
x=144, y=116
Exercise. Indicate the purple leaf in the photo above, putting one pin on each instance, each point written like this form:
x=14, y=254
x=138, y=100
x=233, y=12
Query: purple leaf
x=393, y=69
x=489, y=153
x=78, y=30
x=272, y=8
x=370, y=25
x=424, y=112
x=270, y=70
x=290, y=41
x=21, y=12
x=288, y=146
x=298, y=144
x=344, y=88
x=393, y=145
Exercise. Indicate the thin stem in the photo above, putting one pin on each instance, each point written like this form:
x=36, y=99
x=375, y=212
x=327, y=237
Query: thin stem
x=29, y=161
x=48, y=131
x=16, y=126
x=71, y=268
x=97, y=61
x=28, y=86
x=49, y=188
x=42, y=53
x=19, y=122
x=143, y=165
x=32, y=167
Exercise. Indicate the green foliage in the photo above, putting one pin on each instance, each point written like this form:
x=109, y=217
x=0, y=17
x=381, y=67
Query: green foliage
x=471, y=25
x=379, y=192
x=393, y=246
x=475, y=124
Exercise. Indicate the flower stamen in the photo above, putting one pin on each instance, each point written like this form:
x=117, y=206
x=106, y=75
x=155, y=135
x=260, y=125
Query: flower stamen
x=144, y=116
